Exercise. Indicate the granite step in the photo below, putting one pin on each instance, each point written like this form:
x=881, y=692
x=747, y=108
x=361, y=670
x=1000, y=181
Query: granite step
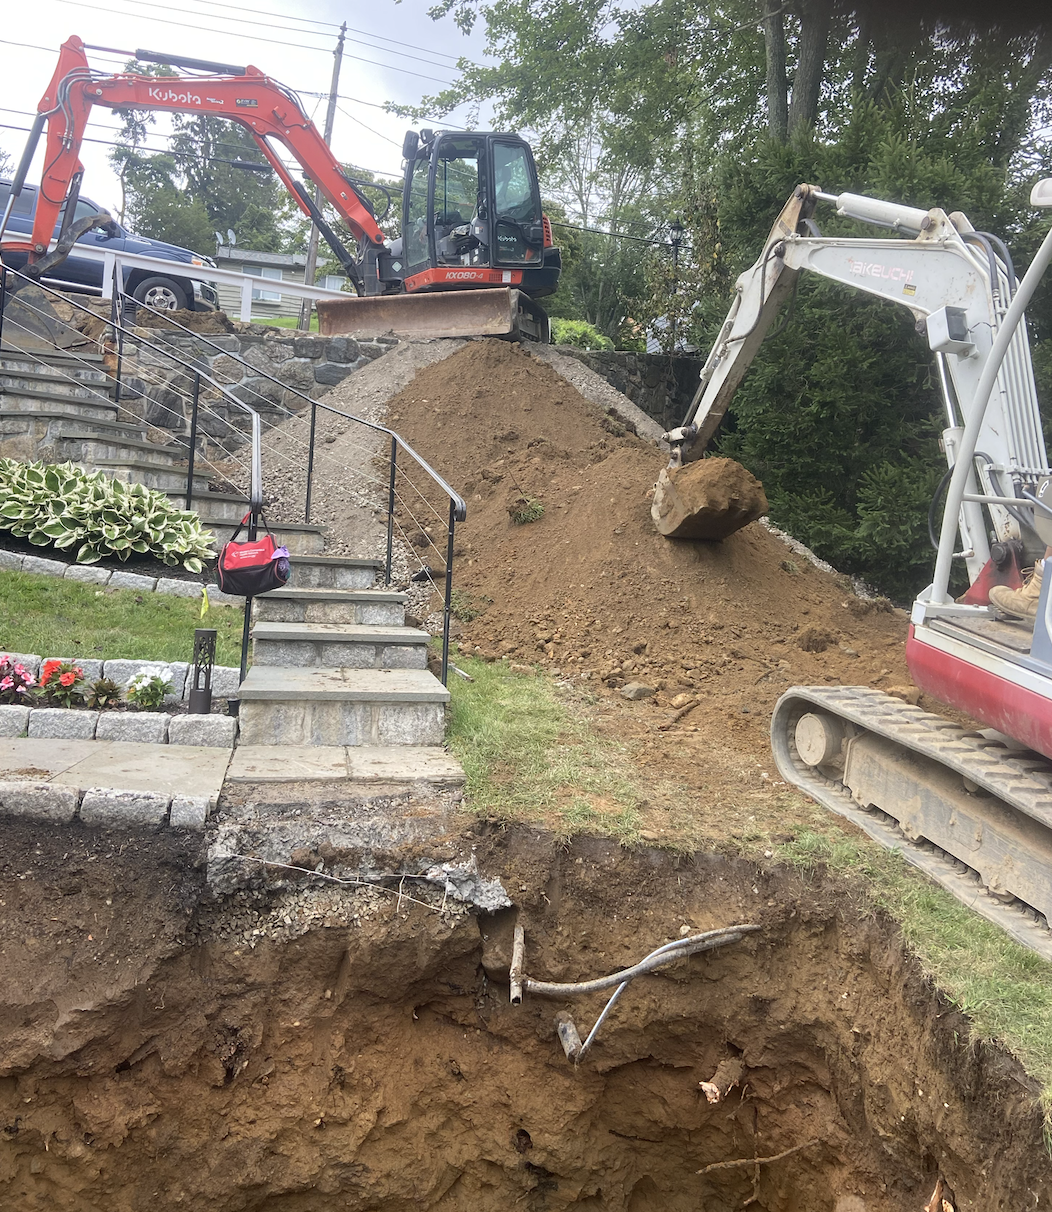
x=45, y=425
x=325, y=706
x=46, y=398
x=339, y=645
x=300, y=540
x=86, y=385
x=333, y=572
x=74, y=443
x=171, y=480
x=382, y=607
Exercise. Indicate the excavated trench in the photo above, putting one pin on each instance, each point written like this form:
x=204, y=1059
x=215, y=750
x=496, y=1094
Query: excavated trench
x=298, y=1044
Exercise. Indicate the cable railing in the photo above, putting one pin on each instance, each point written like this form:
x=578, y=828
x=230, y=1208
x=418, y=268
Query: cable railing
x=455, y=508
x=199, y=376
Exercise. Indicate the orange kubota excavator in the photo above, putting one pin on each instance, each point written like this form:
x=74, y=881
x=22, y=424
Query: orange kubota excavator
x=475, y=250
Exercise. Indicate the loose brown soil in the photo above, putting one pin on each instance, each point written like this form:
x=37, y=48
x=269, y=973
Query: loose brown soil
x=294, y=1048
x=592, y=593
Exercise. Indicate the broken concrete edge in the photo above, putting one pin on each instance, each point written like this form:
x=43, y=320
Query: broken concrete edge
x=146, y=727
x=11, y=561
x=103, y=807
x=230, y=867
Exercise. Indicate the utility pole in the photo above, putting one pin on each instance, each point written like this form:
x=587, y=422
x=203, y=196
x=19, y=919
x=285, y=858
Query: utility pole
x=310, y=271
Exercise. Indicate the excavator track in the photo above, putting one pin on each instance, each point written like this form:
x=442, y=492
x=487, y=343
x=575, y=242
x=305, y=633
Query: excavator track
x=972, y=813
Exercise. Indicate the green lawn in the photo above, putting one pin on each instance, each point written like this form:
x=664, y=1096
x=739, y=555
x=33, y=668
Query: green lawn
x=51, y=616
x=286, y=321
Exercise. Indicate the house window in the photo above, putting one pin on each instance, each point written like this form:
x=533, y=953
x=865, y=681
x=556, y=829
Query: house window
x=264, y=271
x=333, y=281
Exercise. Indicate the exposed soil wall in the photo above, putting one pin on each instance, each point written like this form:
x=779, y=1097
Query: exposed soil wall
x=299, y=1048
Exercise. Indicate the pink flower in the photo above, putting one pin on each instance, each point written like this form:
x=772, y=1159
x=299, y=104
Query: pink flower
x=7, y=683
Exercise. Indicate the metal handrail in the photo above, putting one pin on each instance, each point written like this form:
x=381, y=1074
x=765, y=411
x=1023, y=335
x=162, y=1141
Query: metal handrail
x=256, y=478
x=458, y=509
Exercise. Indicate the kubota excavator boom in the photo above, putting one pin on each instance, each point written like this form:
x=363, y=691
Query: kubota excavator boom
x=974, y=809
x=471, y=203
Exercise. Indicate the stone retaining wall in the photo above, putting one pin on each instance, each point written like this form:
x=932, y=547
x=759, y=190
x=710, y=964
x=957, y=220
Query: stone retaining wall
x=158, y=392
x=661, y=385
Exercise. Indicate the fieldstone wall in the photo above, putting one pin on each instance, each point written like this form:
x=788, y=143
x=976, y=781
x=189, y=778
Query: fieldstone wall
x=159, y=392
x=661, y=385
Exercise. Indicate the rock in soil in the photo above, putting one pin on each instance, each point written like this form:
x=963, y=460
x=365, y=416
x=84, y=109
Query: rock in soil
x=709, y=499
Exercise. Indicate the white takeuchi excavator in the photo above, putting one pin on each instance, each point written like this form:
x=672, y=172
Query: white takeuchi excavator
x=972, y=808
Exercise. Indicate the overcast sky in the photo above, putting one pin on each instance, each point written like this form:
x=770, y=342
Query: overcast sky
x=395, y=52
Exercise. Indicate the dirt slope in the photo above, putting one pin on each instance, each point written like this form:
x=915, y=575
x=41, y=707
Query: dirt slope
x=591, y=592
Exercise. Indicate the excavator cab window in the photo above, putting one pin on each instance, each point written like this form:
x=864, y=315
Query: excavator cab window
x=517, y=205
x=417, y=248
x=458, y=199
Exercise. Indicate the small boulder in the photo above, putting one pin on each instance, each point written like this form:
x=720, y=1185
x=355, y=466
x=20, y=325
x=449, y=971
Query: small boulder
x=708, y=499
x=636, y=690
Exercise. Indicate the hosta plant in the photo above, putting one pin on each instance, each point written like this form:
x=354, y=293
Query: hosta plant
x=16, y=682
x=146, y=691
x=61, y=505
x=61, y=683
x=104, y=693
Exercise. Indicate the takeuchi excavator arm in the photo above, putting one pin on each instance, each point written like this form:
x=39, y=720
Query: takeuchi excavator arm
x=264, y=107
x=958, y=284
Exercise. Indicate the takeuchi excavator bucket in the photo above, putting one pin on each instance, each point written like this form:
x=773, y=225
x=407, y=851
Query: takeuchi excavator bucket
x=452, y=313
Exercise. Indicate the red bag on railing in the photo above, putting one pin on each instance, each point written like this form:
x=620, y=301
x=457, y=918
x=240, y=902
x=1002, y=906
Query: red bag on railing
x=252, y=568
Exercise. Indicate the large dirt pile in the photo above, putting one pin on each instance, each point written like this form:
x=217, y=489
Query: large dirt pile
x=590, y=591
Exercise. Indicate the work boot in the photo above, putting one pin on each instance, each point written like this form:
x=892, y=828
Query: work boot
x=1021, y=603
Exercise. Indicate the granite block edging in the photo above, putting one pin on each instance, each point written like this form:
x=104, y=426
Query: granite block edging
x=88, y=574
x=144, y=727
x=102, y=807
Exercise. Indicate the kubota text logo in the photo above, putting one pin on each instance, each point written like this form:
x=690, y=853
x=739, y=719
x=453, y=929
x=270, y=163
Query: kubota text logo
x=870, y=269
x=166, y=94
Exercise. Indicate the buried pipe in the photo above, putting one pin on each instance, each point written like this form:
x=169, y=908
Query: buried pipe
x=569, y=1036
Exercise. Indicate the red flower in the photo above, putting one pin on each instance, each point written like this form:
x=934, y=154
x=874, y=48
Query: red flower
x=67, y=679
x=48, y=670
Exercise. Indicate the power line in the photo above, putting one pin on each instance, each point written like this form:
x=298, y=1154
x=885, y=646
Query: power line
x=262, y=25
x=368, y=34
x=387, y=138
x=95, y=8
x=377, y=172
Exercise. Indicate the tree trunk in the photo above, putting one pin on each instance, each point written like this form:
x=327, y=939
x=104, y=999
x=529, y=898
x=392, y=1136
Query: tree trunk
x=807, y=83
x=777, y=87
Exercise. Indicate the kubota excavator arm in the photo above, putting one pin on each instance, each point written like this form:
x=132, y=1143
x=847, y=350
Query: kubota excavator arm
x=264, y=107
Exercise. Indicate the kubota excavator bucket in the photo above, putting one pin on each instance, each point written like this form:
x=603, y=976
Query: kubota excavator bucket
x=452, y=313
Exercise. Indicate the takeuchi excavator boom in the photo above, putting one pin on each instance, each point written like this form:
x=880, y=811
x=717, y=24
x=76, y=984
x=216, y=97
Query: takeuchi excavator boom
x=973, y=808
x=503, y=240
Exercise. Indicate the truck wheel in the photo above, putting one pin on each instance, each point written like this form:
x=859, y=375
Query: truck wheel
x=162, y=294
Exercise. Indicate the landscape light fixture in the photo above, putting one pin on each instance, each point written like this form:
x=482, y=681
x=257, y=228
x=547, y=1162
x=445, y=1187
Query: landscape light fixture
x=204, y=660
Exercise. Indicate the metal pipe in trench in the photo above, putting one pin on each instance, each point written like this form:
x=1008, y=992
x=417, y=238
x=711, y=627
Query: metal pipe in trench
x=665, y=954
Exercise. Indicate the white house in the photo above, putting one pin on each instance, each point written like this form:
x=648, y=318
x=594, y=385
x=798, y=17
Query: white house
x=272, y=269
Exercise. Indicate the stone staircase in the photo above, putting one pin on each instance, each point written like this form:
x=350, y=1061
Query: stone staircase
x=334, y=664
x=59, y=407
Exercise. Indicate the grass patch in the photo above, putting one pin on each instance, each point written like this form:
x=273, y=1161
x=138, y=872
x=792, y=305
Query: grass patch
x=467, y=606
x=528, y=757
x=526, y=510
x=51, y=616
x=1004, y=988
x=286, y=321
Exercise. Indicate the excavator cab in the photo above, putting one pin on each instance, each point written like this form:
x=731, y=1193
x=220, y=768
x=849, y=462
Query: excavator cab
x=471, y=216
